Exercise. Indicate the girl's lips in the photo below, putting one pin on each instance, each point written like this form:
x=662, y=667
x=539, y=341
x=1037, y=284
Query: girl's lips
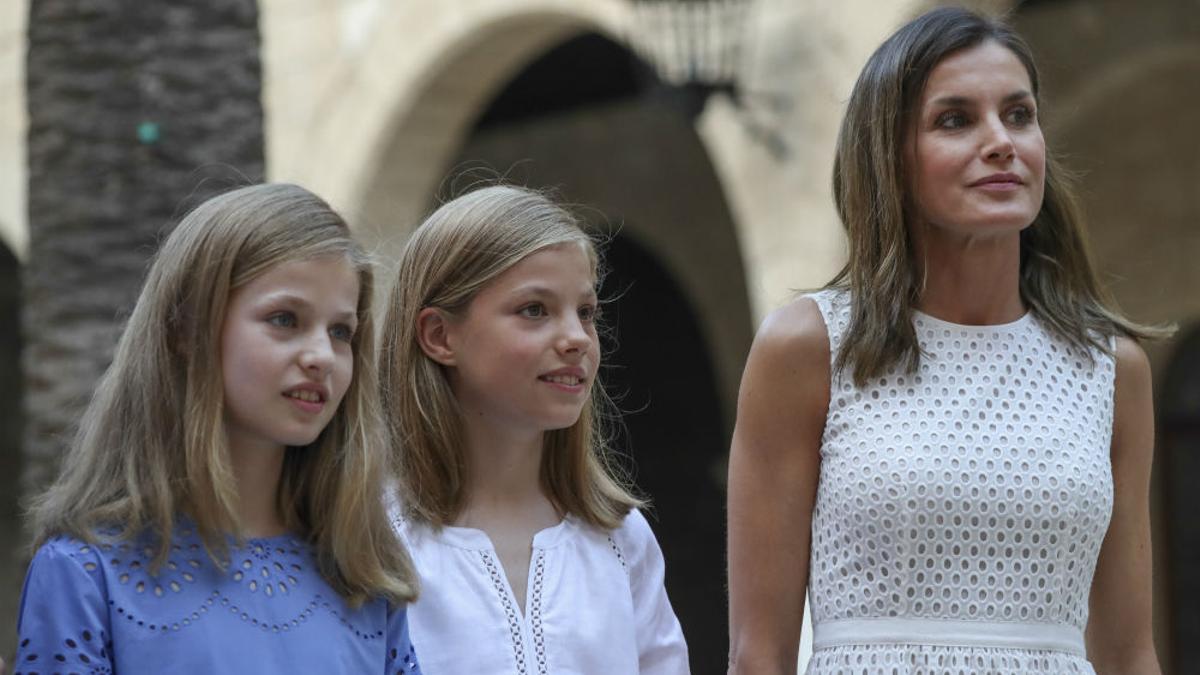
x=575, y=388
x=306, y=400
x=570, y=380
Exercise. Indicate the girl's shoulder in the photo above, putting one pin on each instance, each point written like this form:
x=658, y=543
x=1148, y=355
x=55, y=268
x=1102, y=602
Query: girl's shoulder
x=91, y=553
x=634, y=528
x=64, y=556
x=634, y=541
x=57, y=546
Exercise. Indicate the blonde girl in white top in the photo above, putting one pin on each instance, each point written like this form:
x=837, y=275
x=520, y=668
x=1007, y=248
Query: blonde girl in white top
x=533, y=556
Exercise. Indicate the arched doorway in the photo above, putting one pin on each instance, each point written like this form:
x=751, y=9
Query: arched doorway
x=1179, y=424
x=658, y=369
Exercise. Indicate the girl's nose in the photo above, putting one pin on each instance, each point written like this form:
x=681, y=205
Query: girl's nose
x=575, y=336
x=317, y=354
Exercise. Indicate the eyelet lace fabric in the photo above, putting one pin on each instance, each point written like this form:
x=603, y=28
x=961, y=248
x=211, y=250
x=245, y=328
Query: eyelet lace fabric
x=960, y=502
x=98, y=608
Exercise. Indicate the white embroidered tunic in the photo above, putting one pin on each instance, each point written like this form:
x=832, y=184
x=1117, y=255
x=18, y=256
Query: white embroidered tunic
x=961, y=508
x=595, y=603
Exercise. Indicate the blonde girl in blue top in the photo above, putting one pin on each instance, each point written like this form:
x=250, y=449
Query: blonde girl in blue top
x=220, y=509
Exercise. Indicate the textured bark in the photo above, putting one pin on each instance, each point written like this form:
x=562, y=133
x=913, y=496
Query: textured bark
x=100, y=196
x=102, y=75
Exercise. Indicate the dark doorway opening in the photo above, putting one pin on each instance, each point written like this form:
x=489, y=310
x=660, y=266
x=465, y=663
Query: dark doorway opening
x=659, y=371
x=585, y=70
x=1180, y=443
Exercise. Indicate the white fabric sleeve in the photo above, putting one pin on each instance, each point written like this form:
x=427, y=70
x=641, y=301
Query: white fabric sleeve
x=662, y=649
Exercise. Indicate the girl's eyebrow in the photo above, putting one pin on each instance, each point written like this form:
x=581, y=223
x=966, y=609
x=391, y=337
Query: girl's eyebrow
x=291, y=299
x=545, y=291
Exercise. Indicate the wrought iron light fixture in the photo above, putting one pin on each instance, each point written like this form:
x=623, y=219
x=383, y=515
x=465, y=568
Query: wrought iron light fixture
x=693, y=42
x=697, y=49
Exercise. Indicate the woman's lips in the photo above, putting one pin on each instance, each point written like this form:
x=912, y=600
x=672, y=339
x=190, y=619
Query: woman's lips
x=999, y=181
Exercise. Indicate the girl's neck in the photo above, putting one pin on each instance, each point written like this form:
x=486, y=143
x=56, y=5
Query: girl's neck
x=504, y=479
x=257, y=472
x=973, y=281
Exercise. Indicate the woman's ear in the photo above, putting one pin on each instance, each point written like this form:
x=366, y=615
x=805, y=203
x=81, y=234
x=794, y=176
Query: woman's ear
x=433, y=334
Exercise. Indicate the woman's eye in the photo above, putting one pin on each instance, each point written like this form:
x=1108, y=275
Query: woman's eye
x=1020, y=116
x=534, y=310
x=342, y=332
x=282, y=319
x=951, y=119
x=587, y=313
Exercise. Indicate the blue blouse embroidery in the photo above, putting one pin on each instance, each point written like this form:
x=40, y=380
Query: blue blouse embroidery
x=96, y=608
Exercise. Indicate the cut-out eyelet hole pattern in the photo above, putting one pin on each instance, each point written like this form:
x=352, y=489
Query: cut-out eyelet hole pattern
x=977, y=488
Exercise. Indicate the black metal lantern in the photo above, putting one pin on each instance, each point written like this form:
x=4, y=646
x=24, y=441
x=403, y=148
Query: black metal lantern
x=693, y=42
x=697, y=48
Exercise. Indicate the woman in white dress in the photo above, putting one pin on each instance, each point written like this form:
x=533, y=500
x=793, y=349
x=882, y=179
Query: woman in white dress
x=950, y=445
x=533, y=558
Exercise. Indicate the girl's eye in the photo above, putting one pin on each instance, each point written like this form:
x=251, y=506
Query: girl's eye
x=951, y=119
x=587, y=313
x=342, y=332
x=534, y=310
x=282, y=320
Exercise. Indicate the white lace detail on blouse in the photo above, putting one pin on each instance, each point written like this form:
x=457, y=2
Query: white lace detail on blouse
x=595, y=603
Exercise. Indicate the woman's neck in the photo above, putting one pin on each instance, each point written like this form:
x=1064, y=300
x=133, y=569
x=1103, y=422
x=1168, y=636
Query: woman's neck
x=970, y=280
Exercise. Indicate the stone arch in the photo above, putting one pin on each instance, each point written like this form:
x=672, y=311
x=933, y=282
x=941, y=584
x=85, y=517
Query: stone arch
x=372, y=129
x=419, y=141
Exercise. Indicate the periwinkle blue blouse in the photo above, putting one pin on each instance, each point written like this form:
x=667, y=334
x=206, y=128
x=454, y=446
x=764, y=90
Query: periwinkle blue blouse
x=95, y=608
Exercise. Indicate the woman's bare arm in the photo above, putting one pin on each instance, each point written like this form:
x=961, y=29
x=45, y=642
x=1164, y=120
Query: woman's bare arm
x=773, y=468
x=1120, y=638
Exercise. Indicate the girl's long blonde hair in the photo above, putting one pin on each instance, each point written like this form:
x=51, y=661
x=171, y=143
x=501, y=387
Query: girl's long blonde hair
x=1057, y=279
x=456, y=252
x=151, y=446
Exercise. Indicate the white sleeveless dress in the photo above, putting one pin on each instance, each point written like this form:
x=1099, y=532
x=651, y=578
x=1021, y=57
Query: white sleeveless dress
x=961, y=508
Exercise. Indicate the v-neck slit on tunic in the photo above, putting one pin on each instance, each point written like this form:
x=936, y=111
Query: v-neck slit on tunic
x=594, y=602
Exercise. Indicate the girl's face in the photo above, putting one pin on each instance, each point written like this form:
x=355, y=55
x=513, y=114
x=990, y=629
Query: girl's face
x=286, y=357
x=977, y=156
x=524, y=354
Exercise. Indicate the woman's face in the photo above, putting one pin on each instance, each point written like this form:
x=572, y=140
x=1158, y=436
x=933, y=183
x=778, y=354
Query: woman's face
x=976, y=154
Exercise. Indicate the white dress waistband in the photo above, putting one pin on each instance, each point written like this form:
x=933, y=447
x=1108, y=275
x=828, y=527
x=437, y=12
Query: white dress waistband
x=949, y=633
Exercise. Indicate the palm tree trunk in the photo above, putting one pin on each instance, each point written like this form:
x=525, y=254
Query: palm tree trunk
x=137, y=111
